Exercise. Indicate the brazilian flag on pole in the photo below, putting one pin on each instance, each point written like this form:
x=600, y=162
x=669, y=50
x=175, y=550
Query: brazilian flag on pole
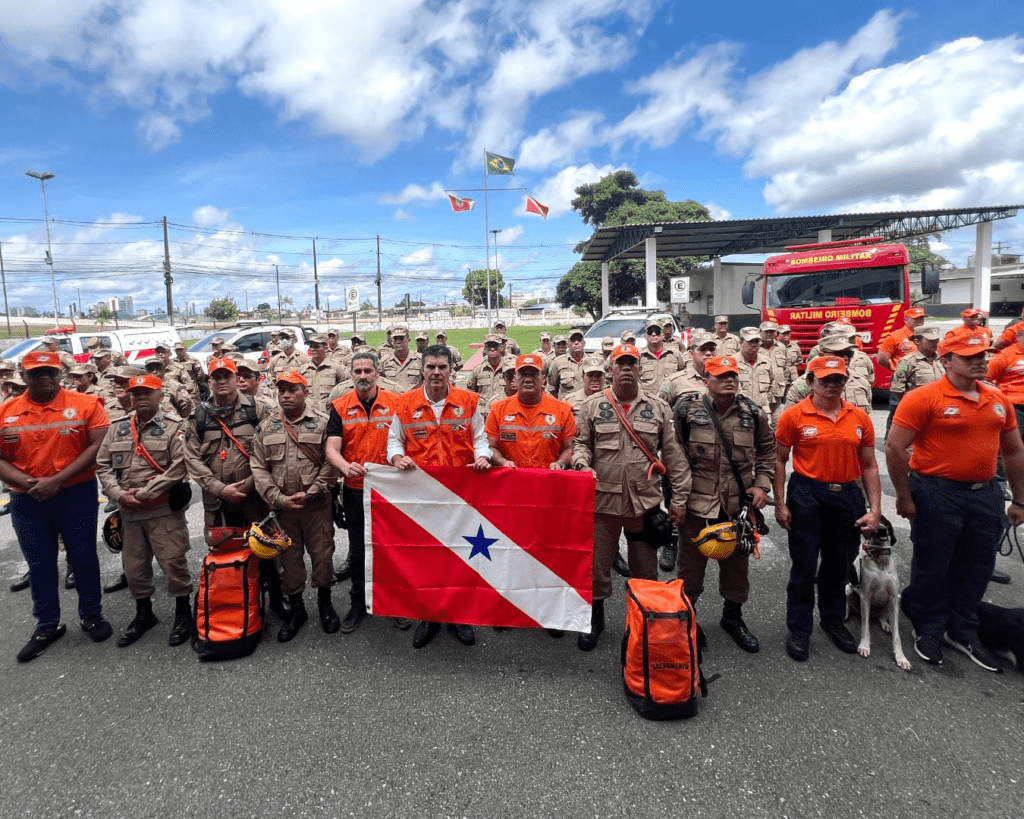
x=496, y=163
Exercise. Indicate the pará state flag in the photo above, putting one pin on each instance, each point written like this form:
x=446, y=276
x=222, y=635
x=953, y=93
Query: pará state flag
x=533, y=206
x=496, y=163
x=461, y=205
x=509, y=547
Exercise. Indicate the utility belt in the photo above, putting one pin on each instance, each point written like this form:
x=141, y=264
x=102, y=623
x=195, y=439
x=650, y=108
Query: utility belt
x=961, y=486
x=830, y=487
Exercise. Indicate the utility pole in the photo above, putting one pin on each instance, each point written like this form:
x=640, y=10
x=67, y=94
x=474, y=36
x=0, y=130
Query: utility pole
x=167, y=276
x=277, y=272
x=316, y=284
x=380, y=310
x=3, y=276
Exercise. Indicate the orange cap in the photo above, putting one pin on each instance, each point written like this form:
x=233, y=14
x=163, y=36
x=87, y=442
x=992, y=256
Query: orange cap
x=625, y=351
x=529, y=360
x=825, y=365
x=292, y=377
x=34, y=361
x=972, y=311
x=846, y=320
x=147, y=382
x=223, y=364
x=961, y=343
x=720, y=365
x=914, y=312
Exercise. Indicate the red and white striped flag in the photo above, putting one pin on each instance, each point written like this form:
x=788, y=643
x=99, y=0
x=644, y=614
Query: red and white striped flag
x=461, y=205
x=510, y=547
x=533, y=206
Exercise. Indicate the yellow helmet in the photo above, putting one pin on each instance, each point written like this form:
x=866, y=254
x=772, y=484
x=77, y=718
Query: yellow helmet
x=717, y=542
x=269, y=543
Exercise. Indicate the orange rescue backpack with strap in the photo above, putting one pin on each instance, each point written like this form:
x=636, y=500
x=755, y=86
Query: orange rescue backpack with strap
x=660, y=657
x=229, y=621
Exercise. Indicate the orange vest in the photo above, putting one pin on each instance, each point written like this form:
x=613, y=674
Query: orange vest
x=364, y=438
x=429, y=442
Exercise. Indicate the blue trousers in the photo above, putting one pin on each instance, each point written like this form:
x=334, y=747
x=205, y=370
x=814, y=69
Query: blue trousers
x=823, y=525
x=72, y=514
x=955, y=535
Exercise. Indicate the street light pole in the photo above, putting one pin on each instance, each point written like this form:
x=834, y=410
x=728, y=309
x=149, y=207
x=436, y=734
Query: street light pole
x=495, y=231
x=42, y=177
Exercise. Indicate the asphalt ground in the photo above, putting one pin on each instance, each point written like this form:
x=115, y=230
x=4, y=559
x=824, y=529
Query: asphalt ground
x=521, y=725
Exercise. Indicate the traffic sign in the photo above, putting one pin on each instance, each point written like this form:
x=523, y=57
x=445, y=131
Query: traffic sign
x=680, y=290
x=351, y=299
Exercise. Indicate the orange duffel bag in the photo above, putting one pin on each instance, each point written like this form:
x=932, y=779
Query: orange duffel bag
x=660, y=658
x=229, y=622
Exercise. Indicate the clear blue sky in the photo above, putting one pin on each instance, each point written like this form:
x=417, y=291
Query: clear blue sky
x=246, y=122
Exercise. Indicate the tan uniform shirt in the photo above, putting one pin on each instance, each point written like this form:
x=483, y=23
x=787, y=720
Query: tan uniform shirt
x=293, y=361
x=280, y=467
x=749, y=431
x=857, y=391
x=655, y=370
x=681, y=383
x=322, y=379
x=779, y=360
x=179, y=397
x=486, y=380
x=404, y=375
x=565, y=375
x=189, y=372
x=602, y=444
x=730, y=345
x=913, y=371
x=120, y=468
x=793, y=360
x=756, y=380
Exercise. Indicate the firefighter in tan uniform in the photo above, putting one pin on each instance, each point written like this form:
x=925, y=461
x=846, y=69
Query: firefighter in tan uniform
x=778, y=357
x=756, y=370
x=593, y=381
x=858, y=384
x=139, y=463
x=52, y=345
x=184, y=364
x=174, y=391
x=726, y=343
x=921, y=366
x=401, y=366
x=715, y=496
x=694, y=377
x=657, y=362
x=290, y=358
x=94, y=345
x=566, y=372
x=322, y=372
x=486, y=380
x=627, y=486
x=335, y=350
x=294, y=477
x=794, y=358
x=441, y=337
x=218, y=446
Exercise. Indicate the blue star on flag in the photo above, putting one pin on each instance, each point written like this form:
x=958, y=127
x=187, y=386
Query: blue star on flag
x=480, y=543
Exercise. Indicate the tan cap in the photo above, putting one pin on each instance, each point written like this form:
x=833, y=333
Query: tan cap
x=423, y=336
x=930, y=332
x=785, y=328
x=561, y=339
x=545, y=335
x=750, y=334
x=835, y=343
x=574, y=333
x=101, y=352
x=83, y=369
x=607, y=344
x=217, y=341
x=93, y=343
x=701, y=337
x=318, y=338
x=768, y=325
x=126, y=372
x=626, y=336
x=357, y=337
x=441, y=334
x=247, y=364
x=592, y=364
x=492, y=338
x=721, y=319
x=399, y=330
x=179, y=345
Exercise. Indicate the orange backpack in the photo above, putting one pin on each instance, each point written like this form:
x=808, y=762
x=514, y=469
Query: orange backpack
x=660, y=658
x=229, y=622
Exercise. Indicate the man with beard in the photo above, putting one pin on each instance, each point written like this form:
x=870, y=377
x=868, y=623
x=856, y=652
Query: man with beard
x=357, y=434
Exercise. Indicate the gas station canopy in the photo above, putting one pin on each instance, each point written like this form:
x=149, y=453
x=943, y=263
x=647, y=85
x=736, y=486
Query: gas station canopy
x=772, y=235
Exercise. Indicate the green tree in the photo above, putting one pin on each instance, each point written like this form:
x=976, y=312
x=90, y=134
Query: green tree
x=223, y=309
x=618, y=199
x=475, y=291
x=919, y=249
x=103, y=316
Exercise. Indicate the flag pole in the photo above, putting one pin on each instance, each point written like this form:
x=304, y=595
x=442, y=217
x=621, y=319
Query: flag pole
x=487, y=246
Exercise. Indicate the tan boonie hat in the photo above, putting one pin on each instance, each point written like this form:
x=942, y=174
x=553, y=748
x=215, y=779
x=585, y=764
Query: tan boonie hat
x=750, y=334
x=492, y=338
x=561, y=339
x=930, y=332
x=721, y=319
x=399, y=330
x=318, y=339
x=575, y=333
x=591, y=364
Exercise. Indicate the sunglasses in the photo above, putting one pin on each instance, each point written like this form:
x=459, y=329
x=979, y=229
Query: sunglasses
x=654, y=331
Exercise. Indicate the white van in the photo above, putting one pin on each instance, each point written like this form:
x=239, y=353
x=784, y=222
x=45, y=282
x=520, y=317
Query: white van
x=136, y=344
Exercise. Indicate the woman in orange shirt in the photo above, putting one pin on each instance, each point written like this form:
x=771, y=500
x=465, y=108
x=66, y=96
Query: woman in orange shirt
x=832, y=442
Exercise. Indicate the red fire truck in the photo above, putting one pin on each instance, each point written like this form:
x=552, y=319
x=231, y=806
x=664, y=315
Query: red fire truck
x=863, y=280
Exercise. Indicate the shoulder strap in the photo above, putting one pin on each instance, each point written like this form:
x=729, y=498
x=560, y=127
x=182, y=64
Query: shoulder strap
x=306, y=450
x=141, y=447
x=726, y=445
x=656, y=465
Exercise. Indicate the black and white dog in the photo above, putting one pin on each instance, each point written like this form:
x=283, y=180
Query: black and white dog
x=1002, y=632
x=877, y=593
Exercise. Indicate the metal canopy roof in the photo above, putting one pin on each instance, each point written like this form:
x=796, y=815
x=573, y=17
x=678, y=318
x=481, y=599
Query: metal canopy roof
x=772, y=235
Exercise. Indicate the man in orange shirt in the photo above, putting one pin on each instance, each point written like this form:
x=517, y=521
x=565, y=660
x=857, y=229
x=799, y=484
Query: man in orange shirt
x=1009, y=334
x=49, y=438
x=357, y=434
x=901, y=342
x=531, y=428
x=438, y=425
x=947, y=488
x=832, y=442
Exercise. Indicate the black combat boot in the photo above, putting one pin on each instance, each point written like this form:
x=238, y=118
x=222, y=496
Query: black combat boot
x=143, y=622
x=183, y=626
x=732, y=622
x=294, y=622
x=270, y=583
x=588, y=642
x=328, y=616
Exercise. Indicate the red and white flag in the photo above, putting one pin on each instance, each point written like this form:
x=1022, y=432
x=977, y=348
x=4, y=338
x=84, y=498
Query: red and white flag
x=533, y=206
x=460, y=205
x=510, y=547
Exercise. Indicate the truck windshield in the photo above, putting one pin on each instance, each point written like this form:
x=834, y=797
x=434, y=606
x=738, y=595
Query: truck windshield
x=869, y=285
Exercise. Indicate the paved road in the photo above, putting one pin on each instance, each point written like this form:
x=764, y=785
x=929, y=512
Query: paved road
x=521, y=725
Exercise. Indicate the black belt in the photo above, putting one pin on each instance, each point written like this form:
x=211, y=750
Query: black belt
x=963, y=486
x=831, y=487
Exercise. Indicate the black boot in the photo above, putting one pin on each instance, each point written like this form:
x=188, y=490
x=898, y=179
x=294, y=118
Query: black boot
x=182, y=629
x=621, y=566
x=328, y=616
x=143, y=622
x=588, y=642
x=732, y=622
x=667, y=561
x=270, y=583
x=295, y=621
x=117, y=585
x=69, y=578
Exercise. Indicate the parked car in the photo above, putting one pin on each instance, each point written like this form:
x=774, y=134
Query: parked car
x=615, y=322
x=250, y=338
x=136, y=344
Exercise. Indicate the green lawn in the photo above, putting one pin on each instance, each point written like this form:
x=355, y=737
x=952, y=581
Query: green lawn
x=528, y=338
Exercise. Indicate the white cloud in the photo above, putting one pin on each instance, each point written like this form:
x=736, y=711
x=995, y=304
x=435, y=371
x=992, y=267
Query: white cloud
x=560, y=144
x=424, y=257
x=414, y=195
x=717, y=213
x=209, y=216
x=402, y=215
x=509, y=236
x=559, y=191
